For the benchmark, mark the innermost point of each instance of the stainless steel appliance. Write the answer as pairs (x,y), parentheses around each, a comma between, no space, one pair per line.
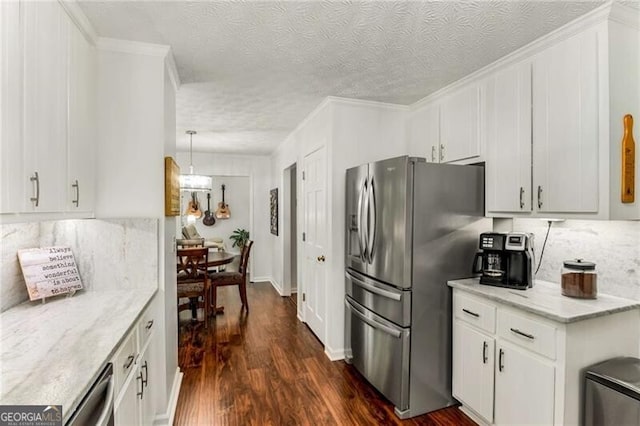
(411,226)
(96,408)
(506,260)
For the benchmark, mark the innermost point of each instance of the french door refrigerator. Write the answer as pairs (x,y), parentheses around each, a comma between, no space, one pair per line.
(411,226)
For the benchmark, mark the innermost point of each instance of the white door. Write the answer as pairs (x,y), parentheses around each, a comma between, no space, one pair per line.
(473,354)
(524,387)
(508,136)
(315,238)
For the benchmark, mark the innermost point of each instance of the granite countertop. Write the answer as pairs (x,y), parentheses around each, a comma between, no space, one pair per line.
(545,299)
(53,352)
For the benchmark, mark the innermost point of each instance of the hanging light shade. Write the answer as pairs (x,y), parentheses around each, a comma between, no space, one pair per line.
(193,182)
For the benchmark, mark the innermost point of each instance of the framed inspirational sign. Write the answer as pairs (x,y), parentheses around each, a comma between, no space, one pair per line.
(49,271)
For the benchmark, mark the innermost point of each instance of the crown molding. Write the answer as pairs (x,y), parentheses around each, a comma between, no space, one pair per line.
(134,47)
(367,103)
(625,15)
(595,17)
(172,70)
(80,20)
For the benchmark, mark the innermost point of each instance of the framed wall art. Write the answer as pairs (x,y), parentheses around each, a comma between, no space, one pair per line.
(274,211)
(171,187)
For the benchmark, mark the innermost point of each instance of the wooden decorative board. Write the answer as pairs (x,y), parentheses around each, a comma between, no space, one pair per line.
(49,271)
(171,187)
(628,161)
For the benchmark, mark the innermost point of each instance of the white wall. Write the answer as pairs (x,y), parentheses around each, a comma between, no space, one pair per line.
(237,197)
(258,169)
(353,132)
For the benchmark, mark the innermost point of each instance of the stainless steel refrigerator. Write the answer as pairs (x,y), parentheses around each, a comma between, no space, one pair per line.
(411,226)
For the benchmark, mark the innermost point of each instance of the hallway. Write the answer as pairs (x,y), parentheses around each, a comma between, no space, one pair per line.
(268,368)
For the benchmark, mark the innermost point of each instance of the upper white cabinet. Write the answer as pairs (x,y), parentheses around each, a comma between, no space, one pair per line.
(48,111)
(460,125)
(82,124)
(46,50)
(12,185)
(508,135)
(565,126)
(447,129)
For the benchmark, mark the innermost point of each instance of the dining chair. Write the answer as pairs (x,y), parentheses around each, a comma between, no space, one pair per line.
(239,278)
(192,281)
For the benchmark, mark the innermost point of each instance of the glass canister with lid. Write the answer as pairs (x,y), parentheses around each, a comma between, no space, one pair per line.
(579,279)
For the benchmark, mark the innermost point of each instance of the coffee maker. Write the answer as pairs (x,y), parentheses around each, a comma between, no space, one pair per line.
(506,260)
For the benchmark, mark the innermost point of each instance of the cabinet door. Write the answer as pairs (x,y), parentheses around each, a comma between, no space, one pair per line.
(524,387)
(46,42)
(473,354)
(82,123)
(424,133)
(12,187)
(149,370)
(565,126)
(508,136)
(460,125)
(127,412)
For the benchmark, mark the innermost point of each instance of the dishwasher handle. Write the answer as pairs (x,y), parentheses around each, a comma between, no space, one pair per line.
(98,404)
(107,412)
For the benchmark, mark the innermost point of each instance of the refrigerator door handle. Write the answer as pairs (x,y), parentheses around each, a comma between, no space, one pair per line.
(373,289)
(374,324)
(361,238)
(371,232)
(365,228)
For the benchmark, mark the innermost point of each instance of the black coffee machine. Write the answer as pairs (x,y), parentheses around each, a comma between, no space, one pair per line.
(506,260)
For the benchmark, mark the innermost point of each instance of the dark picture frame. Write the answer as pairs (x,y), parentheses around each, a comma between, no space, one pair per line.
(274,210)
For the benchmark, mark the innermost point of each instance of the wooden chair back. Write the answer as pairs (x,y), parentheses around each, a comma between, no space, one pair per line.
(192,263)
(244,258)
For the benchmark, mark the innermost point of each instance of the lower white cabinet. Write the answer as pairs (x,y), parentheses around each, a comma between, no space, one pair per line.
(512,367)
(136,378)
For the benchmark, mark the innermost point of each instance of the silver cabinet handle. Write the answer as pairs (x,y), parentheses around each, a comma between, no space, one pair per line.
(441,152)
(141,393)
(149,325)
(539,196)
(130,359)
(373,289)
(372,323)
(473,314)
(484,352)
(36,179)
(145,380)
(76,186)
(521,197)
(433,153)
(500,364)
(522,333)
(372,215)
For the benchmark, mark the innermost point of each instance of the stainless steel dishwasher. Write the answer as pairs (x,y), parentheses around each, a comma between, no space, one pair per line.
(96,408)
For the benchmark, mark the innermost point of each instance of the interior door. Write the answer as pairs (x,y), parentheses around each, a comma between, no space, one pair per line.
(356,181)
(314,244)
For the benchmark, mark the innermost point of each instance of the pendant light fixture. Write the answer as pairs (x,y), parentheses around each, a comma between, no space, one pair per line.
(193,182)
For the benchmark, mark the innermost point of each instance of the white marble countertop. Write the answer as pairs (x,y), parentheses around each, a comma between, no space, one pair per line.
(52,353)
(546,299)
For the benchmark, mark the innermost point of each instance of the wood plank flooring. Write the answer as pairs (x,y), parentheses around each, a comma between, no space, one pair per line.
(267,368)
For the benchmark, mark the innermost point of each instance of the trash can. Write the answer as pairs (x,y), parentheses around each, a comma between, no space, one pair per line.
(612,393)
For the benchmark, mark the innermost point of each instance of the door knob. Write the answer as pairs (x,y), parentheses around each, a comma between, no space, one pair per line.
(321,258)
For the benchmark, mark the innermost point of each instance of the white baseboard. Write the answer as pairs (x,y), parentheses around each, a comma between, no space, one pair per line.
(260,279)
(167,418)
(334,354)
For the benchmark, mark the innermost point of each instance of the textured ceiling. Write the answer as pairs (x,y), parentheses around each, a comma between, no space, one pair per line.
(251,71)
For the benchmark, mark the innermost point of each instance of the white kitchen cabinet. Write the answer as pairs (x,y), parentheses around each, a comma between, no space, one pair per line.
(508,136)
(565,126)
(11,168)
(534,366)
(423,131)
(82,124)
(473,360)
(524,387)
(46,30)
(127,412)
(460,124)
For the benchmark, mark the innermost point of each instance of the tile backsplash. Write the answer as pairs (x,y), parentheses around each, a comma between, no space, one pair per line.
(614,246)
(110,254)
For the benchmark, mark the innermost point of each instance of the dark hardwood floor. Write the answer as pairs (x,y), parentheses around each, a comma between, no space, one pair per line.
(267,368)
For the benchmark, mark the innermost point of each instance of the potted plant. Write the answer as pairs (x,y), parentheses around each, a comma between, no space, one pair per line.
(239,237)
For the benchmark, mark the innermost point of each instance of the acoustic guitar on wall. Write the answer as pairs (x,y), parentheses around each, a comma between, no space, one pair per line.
(193,209)
(223,208)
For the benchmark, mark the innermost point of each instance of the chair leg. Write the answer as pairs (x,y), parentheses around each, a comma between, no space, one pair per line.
(214,299)
(243,295)
(205,306)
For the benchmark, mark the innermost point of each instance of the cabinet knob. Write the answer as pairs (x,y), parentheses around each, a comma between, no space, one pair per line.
(321,258)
